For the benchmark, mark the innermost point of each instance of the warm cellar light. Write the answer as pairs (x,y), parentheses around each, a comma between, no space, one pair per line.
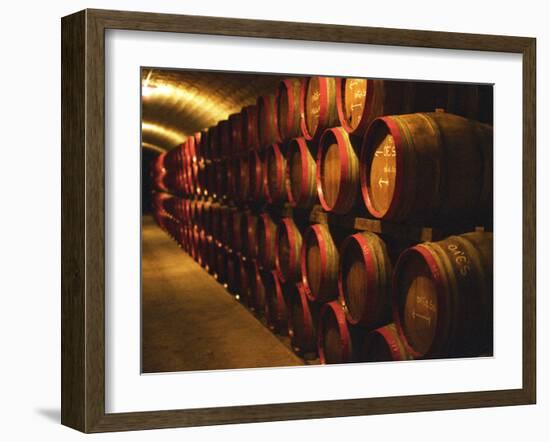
(145,88)
(168,136)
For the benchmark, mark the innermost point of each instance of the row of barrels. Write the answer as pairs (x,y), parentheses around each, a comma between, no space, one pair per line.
(420,168)
(409,301)
(307,106)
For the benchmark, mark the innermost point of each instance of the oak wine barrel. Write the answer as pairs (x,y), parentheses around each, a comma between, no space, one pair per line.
(213,146)
(257,288)
(301,182)
(250,233)
(384,344)
(243,274)
(318,106)
(227,225)
(211,255)
(443,296)
(203,248)
(221,264)
(428,167)
(276,311)
(221,179)
(224,139)
(202,184)
(211,178)
(250,136)
(302,321)
(236,127)
(191,144)
(268,131)
(288,108)
(233,177)
(215,223)
(201,139)
(364,280)
(275,175)
(266,231)
(319,262)
(337,171)
(243,187)
(256,175)
(361,100)
(334,341)
(289,248)
(206,217)
(237,239)
(232,273)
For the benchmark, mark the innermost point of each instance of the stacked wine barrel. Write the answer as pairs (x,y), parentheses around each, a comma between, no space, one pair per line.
(239,197)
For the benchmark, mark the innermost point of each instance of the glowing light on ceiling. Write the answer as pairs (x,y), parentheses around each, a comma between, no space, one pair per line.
(171,137)
(182,96)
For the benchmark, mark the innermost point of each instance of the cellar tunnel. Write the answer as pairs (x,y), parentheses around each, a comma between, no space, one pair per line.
(305,220)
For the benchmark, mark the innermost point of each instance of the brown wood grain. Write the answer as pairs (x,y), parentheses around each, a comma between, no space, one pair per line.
(83,218)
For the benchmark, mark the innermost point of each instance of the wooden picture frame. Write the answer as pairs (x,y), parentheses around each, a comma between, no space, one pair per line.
(83,220)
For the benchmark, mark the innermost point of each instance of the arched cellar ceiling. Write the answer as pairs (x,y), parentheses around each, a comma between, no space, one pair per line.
(178,103)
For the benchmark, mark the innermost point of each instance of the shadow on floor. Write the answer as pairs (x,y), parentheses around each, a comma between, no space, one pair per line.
(52,414)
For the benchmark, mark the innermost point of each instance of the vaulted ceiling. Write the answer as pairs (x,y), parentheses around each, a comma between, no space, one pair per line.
(178,103)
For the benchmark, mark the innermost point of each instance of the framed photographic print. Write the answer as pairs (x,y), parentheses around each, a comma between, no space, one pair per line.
(267,220)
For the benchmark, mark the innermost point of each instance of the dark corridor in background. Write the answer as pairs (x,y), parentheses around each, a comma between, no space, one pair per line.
(353,224)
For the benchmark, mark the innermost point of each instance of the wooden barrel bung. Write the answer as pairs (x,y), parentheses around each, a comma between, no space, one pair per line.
(250,134)
(301,182)
(337,171)
(256,175)
(268,131)
(289,248)
(333,335)
(266,231)
(384,344)
(427,167)
(364,280)
(319,262)
(443,297)
(276,310)
(318,106)
(288,108)
(302,321)
(275,175)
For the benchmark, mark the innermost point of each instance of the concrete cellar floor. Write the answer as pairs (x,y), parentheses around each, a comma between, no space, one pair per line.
(190,322)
